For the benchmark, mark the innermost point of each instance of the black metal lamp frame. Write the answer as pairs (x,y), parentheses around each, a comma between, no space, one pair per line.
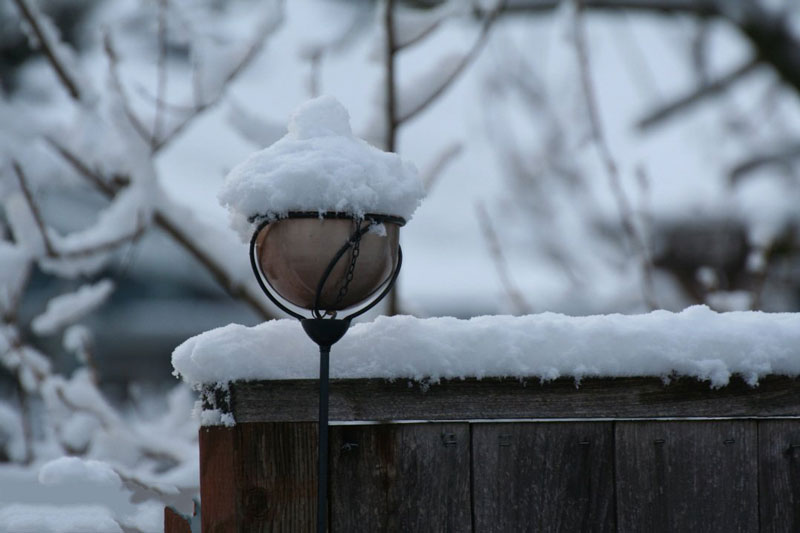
(325,332)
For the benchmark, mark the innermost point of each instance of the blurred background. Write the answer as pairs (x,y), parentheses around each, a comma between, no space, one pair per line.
(598,156)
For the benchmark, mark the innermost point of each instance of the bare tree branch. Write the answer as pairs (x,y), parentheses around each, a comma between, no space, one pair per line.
(695,7)
(480,41)
(610,164)
(769,32)
(116,82)
(29,13)
(783,155)
(82,168)
(161,82)
(247,58)
(37,215)
(391,90)
(419,37)
(498,258)
(440,162)
(698,95)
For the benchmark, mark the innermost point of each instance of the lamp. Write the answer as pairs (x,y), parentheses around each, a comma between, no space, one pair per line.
(326,263)
(323,210)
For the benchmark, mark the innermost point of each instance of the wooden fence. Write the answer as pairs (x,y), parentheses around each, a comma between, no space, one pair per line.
(502,455)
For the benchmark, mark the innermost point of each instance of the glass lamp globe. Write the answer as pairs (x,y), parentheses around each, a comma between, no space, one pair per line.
(295,253)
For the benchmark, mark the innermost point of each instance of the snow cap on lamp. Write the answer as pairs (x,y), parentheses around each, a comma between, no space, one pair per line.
(319,166)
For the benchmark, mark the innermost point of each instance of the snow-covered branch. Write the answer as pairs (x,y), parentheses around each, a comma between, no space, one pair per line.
(47,38)
(68,308)
(33,209)
(179,224)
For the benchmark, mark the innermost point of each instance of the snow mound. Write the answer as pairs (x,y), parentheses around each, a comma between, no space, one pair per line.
(319,166)
(696,342)
(22,518)
(66,470)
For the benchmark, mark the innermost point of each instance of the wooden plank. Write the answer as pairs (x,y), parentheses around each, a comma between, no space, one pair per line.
(258,477)
(401,477)
(687,476)
(175,522)
(376,399)
(543,477)
(276,474)
(779,475)
(218,456)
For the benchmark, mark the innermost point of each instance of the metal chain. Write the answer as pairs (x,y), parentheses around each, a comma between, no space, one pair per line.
(356,242)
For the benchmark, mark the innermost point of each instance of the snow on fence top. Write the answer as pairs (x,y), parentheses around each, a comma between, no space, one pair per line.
(696,342)
(319,165)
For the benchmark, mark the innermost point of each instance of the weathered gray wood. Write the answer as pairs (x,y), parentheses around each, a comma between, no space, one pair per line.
(400,477)
(687,476)
(779,475)
(375,399)
(543,477)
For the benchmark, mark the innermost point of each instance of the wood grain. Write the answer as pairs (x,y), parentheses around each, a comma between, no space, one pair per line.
(258,477)
(779,475)
(687,476)
(612,398)
(543,477)
(407,477)
(276,477)
(175,522)
(218,455)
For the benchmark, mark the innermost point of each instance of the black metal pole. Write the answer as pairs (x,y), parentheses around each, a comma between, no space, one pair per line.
(322,450)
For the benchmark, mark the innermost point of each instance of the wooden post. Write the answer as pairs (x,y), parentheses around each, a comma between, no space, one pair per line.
(175,522)
(258,477)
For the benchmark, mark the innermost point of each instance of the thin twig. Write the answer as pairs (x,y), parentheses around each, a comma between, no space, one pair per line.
(82,168)
(443,158)
(784,155)
(61,71)
(480,41)
(703,8)
(15,344)
(26,417)
(419,37)
(612,170)
(698,95)
(501,266)
(37,215)
(116,83)
(144,93)
(251,53)
(314,67)
(161,83)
